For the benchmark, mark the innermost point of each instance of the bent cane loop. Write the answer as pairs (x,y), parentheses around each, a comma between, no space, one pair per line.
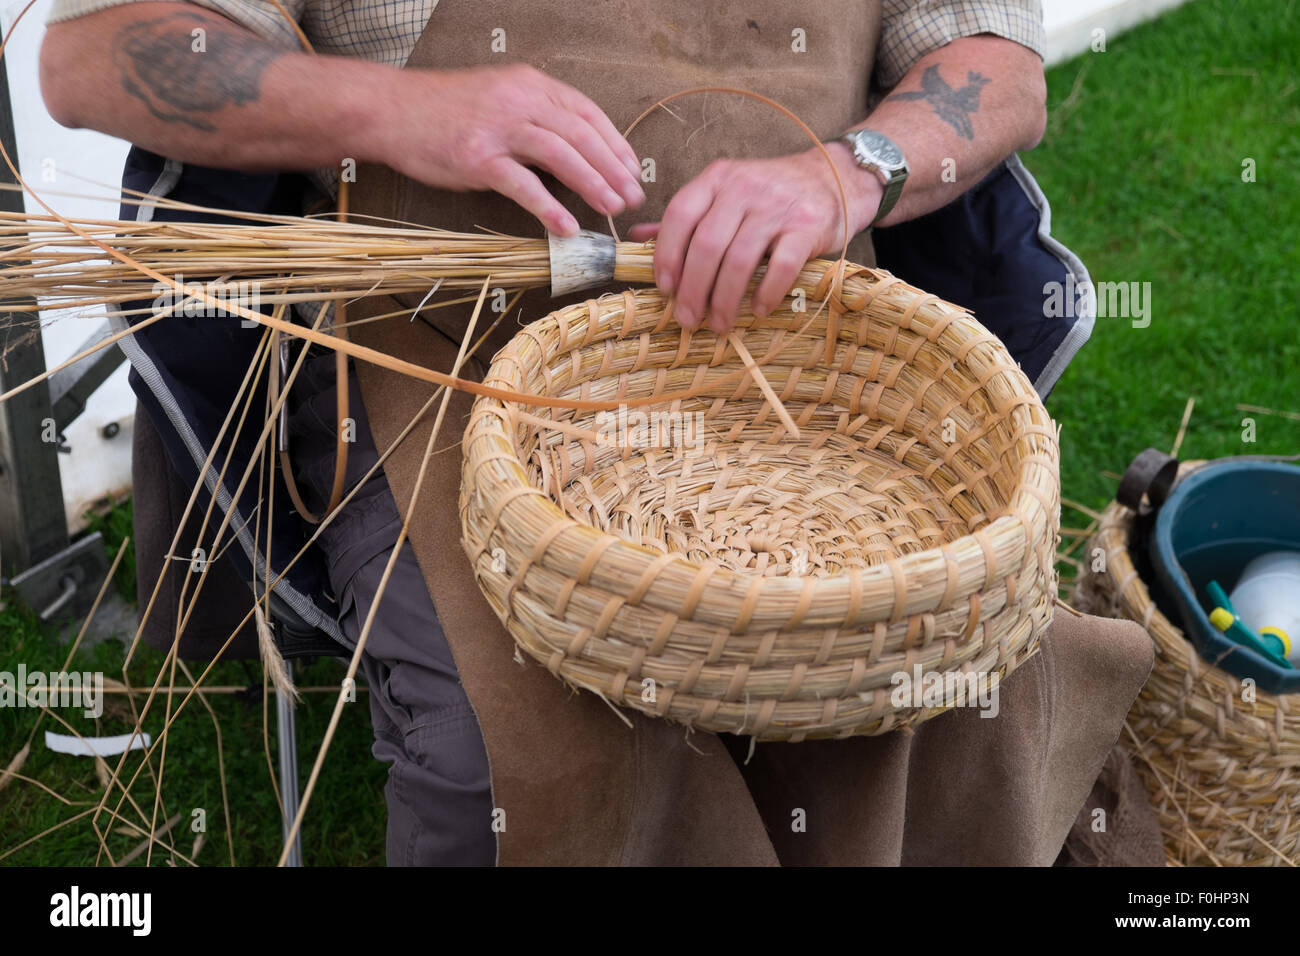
(837,270)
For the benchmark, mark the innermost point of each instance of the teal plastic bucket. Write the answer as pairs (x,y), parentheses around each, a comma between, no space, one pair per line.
(1214,522)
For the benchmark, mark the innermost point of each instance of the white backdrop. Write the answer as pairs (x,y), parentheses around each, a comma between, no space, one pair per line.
(98,466)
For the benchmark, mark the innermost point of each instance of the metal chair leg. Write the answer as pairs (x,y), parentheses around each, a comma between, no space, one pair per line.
(288,749)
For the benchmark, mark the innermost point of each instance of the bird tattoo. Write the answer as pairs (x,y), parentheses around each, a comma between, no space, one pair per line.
(954,107)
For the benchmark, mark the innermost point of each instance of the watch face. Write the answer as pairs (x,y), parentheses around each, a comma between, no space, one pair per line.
(880,149)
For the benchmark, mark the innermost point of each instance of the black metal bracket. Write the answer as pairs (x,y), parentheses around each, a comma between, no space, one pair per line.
(65,584)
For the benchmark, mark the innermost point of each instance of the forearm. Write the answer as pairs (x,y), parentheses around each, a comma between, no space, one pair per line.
(229,99)
(956,114)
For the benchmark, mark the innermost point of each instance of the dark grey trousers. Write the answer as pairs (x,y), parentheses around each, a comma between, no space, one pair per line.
(438,792)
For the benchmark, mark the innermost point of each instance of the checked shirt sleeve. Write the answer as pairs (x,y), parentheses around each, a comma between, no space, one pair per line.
(911,29)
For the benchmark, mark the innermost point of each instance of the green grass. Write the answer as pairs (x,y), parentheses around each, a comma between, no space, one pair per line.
(1142,163)
(344,825)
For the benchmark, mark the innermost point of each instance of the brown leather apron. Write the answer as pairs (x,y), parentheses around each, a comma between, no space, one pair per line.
(576,784)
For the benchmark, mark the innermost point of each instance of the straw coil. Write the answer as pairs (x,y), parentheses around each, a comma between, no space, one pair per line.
(695,561)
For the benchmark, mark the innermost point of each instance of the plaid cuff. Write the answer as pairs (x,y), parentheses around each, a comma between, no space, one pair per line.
(910,29)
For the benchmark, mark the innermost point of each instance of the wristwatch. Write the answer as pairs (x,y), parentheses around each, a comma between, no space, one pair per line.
(880,154)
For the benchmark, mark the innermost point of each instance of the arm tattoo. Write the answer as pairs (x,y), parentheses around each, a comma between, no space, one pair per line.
(954,107)
(179,78)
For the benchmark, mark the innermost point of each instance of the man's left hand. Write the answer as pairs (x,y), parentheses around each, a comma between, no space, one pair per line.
(717,229)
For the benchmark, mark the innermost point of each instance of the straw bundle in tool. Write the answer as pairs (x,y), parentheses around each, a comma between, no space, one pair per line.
(1223,773)
(734,578)
(284,258)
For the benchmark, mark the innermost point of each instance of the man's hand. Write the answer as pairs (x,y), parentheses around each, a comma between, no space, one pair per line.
(492,123)
(717,229)
(957,113)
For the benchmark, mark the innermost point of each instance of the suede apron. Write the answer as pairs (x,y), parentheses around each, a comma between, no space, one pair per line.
(571,781)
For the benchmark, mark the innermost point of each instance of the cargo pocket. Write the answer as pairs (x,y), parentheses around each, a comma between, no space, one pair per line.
(391,718)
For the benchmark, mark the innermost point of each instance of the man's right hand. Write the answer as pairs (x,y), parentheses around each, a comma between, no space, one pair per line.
(239,102)
(482,128)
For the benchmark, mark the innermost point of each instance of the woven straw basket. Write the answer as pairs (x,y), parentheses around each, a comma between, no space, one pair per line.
(743,580)
(1223,774)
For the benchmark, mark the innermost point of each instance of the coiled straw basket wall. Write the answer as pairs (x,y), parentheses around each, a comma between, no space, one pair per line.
(735,578)
(1222,772)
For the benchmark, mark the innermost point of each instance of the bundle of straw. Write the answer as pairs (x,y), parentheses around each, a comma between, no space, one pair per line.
(289,259)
